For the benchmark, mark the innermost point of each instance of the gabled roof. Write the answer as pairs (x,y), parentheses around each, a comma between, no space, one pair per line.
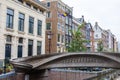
(81,20)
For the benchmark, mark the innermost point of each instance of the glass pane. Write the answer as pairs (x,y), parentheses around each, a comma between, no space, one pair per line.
(11,22)
(9,38)
(39,44)
(21,15)
(10,11)
(7,22)
(30,42)
(48,26)
(20,40)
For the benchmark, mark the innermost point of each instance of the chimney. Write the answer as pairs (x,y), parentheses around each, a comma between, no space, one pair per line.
(82,16)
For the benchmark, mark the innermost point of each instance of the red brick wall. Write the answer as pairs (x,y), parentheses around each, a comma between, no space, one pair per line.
(54,75)
(68,75)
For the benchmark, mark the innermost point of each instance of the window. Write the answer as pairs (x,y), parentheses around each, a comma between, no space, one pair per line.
(39,45)
(10,16)
(63,29)
(63,18)
(66,19)
(58,37)
(96,35)
(48,26)
(66,39)
(66,30)
(63,8)
(20,50)
(59,5)
(48,14)
(21,22)
(48,4)
(20,40)
(30,47)
(8,51)
(31,24)
(70,21)
(59,26)
(9,38)
(62,39)
(69,32)
(39,30)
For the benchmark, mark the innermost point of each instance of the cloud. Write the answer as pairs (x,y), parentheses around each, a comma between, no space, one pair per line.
(106,12)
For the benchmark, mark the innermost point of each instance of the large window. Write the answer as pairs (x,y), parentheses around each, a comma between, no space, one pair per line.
(39,30)
(30,47)
(21,22)
(31,24)
(48,26)
(10,17)
(39,45)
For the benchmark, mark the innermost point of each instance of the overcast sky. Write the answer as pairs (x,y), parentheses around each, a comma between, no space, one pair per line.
(105,12)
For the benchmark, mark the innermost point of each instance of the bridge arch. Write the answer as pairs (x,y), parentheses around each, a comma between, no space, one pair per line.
(65,60)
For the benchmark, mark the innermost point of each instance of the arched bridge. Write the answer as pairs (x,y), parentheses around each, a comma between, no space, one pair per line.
(68,60)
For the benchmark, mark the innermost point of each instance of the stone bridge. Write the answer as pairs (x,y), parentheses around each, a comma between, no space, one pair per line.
(66,60)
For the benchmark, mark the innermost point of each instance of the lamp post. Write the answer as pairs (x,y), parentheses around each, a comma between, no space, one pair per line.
(49,34)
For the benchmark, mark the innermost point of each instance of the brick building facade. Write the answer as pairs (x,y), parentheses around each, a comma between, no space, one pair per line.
(58,22)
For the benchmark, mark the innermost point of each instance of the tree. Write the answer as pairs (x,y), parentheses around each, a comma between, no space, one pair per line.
(100,46)
(77,43)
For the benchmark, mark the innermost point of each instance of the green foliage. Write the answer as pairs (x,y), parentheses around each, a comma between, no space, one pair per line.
(100,46)
(9,67)
(78,42)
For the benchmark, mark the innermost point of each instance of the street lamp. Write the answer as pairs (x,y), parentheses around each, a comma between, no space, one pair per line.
(49,34)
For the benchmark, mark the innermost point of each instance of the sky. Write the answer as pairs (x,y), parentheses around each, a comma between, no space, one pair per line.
(105,12)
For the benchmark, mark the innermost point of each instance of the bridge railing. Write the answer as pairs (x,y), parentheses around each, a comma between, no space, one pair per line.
(8,76)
